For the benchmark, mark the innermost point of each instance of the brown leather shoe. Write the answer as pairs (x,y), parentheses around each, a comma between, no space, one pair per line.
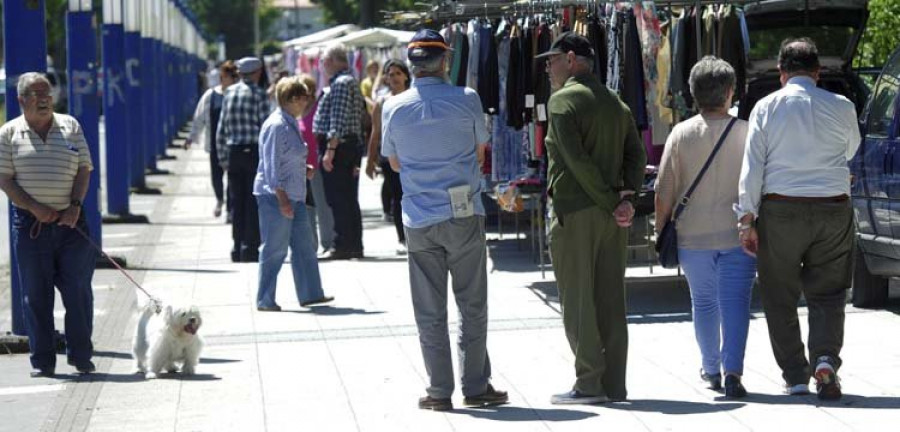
(490,397)
(430,403)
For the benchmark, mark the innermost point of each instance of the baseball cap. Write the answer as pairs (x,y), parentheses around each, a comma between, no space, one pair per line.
(426,44)
(570,41)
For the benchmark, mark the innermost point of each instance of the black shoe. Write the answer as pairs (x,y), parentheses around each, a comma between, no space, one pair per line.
(430,403)
(576,397)
(733,387)
(235,257)
(250,258)
(273,308)
(84,367)
(47,372)
(326,299)
(714,381)
(490,397)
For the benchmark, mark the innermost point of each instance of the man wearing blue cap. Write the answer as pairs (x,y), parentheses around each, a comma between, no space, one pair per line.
(444,219)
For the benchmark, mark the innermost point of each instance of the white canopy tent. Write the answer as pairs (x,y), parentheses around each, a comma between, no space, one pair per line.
(371,38)
(322,36)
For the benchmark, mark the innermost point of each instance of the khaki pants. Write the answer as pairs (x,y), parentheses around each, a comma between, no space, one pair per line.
(805,248)
(589,252)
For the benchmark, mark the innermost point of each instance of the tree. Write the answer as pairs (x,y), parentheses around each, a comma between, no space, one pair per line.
(234,20)
(348,11)
(880,38)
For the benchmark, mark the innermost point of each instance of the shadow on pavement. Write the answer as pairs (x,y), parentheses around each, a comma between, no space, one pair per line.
(127,356)
(334,311)
(673,407)
(132,377)
(181,270)
(516,414)
(848,401)
(649,301)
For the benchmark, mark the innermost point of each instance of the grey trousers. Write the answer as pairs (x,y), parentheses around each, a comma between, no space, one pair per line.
(455,247)
(805,248)
(323,213)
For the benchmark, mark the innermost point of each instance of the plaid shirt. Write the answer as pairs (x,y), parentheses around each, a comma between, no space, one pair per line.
(341,109)
(244,110)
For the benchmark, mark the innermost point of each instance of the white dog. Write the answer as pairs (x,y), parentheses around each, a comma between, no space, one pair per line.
(175,341)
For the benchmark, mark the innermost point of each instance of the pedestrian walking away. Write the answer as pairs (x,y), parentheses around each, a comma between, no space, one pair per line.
(244,110)
(707,150)
(795,214)
(204,128)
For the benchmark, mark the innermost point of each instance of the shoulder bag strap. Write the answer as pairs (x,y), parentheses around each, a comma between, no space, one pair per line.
(687,196)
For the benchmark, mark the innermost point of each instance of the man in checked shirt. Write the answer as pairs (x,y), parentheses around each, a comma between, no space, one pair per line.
(244,110)
(338,128)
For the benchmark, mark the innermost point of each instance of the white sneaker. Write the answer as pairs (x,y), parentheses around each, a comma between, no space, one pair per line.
(401,250)
(797,390)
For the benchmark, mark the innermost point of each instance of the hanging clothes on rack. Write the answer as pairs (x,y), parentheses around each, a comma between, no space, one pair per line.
(633,89)
(488,72)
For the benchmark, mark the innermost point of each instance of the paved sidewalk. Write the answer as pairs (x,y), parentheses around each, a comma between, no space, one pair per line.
(356,365)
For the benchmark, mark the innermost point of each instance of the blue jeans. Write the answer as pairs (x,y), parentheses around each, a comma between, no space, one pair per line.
(58,256)
(277,233)
(721,284)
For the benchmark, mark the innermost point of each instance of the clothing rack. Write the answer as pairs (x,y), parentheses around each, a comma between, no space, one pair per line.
(458,10)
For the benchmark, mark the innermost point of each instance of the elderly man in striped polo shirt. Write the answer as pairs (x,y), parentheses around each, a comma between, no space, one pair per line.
(45,169)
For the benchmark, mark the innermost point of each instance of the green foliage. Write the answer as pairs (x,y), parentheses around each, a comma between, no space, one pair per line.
(880,38)
(270,47)
(234,20)
(347,11)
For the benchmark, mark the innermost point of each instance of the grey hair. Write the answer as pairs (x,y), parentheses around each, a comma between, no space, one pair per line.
(337,53)
(710,80)
(431,66)
(28,79)
(587,62)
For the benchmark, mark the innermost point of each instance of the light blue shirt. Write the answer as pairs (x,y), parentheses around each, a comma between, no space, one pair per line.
(433,130)
(798,144)
(282,158)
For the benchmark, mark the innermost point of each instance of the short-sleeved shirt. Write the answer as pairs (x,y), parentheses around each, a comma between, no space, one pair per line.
(433,130)
(45,170)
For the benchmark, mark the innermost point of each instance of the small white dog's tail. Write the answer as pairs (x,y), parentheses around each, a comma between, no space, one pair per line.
(141,345)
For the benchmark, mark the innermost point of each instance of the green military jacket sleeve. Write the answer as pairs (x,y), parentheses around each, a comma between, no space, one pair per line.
(593,146)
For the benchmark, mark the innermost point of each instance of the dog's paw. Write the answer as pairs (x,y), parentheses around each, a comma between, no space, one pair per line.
(150,375)
(188,370)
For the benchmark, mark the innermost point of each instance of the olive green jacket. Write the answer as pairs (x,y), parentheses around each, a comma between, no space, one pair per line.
(594,148)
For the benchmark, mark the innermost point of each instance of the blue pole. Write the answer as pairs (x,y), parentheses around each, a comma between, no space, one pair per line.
(136,129)
(25,46)
(162,111)
(149,92)
(115,109)
(81,46)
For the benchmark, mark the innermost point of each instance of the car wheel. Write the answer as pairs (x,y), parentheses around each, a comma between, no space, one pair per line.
(869,291)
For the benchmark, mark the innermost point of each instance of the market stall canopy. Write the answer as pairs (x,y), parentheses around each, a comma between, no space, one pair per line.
(374,37)
(322,36)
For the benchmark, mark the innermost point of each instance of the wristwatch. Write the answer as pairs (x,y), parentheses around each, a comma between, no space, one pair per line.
(630,198)
(744,227)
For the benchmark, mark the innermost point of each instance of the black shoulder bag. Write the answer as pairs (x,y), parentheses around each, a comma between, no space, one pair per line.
(667,242)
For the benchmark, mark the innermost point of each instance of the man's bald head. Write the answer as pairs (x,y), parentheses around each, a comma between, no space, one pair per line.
(798,57)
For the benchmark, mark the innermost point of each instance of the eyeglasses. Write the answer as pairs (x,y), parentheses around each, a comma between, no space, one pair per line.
(553,59)
(38,95)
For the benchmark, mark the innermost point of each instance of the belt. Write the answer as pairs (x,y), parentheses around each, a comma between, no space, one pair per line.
(814,200)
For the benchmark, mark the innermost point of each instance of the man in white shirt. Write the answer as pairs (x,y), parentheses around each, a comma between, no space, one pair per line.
(795,212)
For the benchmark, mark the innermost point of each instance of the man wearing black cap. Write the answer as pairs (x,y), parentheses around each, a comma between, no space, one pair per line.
(444,218)
(244,110)
(596,166)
